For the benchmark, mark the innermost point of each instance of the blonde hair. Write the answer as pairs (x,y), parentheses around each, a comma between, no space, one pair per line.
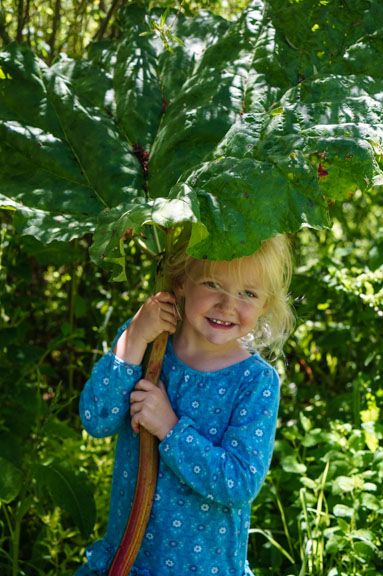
(273,264)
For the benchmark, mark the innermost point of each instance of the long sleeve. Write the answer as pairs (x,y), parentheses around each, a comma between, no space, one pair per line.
(104,402)
(233,472)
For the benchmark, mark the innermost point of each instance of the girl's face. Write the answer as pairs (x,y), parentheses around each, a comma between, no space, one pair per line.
(220,305)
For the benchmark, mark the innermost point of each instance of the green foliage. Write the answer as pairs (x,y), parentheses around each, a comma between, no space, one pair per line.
(10,481)
(71,492)
(320,510)
(326,507)
(244,132)
(57,315)
(51,27)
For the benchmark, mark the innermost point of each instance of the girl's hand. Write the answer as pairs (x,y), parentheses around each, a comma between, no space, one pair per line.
(157,315)
(150,408)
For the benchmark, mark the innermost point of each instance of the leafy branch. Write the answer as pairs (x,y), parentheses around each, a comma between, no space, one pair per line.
(164,30)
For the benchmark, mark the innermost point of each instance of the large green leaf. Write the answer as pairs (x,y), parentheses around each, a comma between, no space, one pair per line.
(10,481)
(197,34)
(62,159)
(251,128)
(72,492)
(137,91)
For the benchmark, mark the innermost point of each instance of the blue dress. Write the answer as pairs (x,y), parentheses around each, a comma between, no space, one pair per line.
(212,463)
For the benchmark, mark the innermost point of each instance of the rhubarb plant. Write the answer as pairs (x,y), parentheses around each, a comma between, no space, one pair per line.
(246,129)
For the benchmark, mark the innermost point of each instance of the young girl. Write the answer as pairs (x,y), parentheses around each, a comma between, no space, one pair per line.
(214,412)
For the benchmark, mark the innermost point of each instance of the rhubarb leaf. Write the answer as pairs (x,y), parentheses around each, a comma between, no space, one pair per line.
(249,129)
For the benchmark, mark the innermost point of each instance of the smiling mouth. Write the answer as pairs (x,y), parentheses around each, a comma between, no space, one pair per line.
(220,322)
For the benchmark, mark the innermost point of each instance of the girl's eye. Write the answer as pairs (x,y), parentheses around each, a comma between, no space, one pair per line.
(211,284)
(248,294)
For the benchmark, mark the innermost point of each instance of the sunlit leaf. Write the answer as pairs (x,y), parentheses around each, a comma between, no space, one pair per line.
(291,464)
(343,511)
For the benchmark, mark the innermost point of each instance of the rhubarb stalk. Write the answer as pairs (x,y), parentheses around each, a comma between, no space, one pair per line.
(148,459)
(146,478)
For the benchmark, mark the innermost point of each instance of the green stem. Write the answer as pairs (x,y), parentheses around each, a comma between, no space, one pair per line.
(273,542)
(3,29)
(356,402)
(321,500)
(285,527)
(302,571)
(157,240)
(8,520)
(20,21)
(17,533)
(104,24)
(99,346)
(16,547)
(2,240)
(308,552)
(55,29)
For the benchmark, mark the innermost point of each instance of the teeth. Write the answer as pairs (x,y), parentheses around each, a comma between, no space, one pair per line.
(220,322)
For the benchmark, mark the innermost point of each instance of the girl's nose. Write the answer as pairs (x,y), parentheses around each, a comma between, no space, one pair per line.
(226,302)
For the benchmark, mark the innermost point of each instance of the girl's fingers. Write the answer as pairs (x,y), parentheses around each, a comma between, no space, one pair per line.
(165,297)
(165,314)
(168,327)
(168,320)
(167,308)
(145,392)
(135,425)
(168,314)
(137,396)
(144,385)
(135,408)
